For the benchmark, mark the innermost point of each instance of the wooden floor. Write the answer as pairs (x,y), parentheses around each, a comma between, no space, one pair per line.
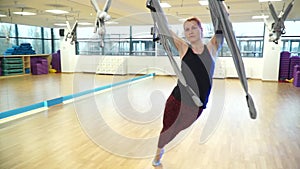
(118,129)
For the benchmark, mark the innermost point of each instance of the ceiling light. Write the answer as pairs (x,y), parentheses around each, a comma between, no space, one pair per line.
(203,2)
(84,23)
(111,22)
(165,5)
(60,24)
(260,17)
(182,19)
(57,11)
(2,15)
(267,0)
(24,13)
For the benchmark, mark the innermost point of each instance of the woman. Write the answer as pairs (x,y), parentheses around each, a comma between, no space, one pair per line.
(197,66)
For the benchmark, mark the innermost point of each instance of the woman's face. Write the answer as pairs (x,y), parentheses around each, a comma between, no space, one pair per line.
(192,31)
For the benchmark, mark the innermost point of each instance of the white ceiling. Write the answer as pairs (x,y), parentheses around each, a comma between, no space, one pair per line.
(131,12)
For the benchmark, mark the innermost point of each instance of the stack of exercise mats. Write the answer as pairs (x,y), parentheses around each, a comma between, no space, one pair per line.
(39,65)
(0,68)
(55,62)
(11,51)
(12,66)
(294,60)
(296,75)
(284,65)
(287,64)
(23,49)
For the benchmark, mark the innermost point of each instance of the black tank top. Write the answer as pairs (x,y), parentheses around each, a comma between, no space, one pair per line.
(198,71)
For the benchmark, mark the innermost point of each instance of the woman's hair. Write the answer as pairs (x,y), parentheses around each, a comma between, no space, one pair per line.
(193,18)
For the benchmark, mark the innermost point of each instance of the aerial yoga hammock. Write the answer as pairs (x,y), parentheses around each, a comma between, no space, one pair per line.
(278,27)
(101,18)
(166,40)
(221,22)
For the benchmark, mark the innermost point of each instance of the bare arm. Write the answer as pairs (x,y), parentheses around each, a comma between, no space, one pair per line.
(216,42)
(180,44)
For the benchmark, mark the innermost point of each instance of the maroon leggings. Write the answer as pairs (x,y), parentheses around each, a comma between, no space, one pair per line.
(177,117)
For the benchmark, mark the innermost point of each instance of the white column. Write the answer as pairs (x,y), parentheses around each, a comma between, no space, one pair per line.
(271,58)
(67,54)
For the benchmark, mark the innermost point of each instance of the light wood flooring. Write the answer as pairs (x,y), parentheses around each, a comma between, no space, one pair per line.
(119,128)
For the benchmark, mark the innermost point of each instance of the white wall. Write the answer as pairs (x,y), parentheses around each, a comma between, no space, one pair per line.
(265,68)
(159,65)
(271,58)
(68,55)
(253,67)
(150,64)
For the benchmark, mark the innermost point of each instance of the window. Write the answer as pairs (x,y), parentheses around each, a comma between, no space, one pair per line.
(251,47)
(40,38)
(47,33)
(7,36)
(292,45)
(7,29)
(291,39)
(29,31)
(292,28)
(119,41)
(47,46)
(56,40)
(295,47)
(138,41)
(32,35)
(249,40)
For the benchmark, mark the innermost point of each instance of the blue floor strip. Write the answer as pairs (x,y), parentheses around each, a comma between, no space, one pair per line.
(54,102)
(21,110)
(59,100)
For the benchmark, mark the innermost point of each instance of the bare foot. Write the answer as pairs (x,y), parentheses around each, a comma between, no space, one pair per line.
(156,161)
(158,167)
(159,154)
